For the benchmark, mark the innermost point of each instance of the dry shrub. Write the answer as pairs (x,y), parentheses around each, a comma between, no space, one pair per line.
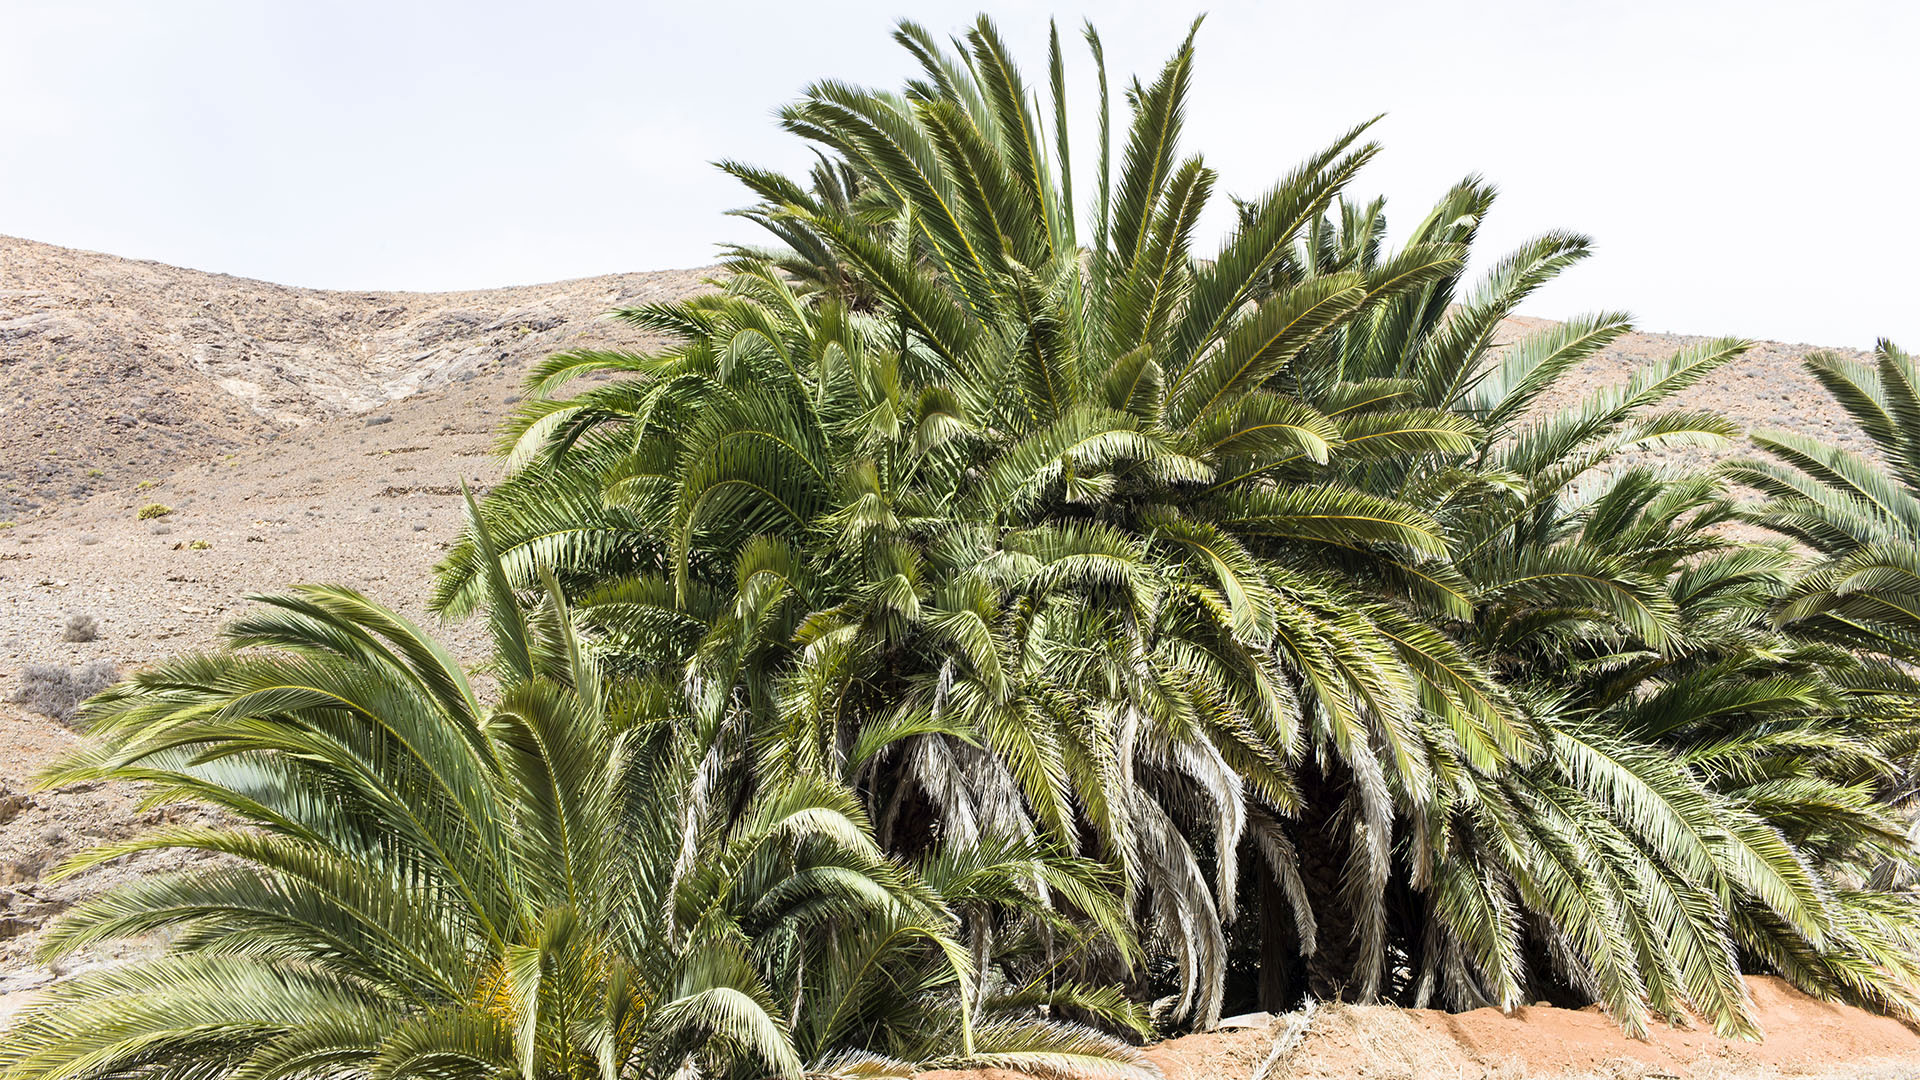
(55,691)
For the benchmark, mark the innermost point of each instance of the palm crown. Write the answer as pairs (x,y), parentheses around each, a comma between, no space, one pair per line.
(1180,560)
(1862,517)
(554,886)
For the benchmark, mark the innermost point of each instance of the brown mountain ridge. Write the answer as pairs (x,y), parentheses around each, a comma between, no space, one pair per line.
(113,368)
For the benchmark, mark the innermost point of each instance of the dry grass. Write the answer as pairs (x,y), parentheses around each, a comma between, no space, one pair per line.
(56,691)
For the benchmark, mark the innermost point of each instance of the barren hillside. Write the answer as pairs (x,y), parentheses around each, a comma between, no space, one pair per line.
(114,370)
(293,435)
(301,435)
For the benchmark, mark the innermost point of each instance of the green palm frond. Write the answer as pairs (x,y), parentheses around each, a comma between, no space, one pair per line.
(1085,562)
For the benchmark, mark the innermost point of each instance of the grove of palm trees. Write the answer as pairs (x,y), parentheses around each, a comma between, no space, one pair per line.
(999,628)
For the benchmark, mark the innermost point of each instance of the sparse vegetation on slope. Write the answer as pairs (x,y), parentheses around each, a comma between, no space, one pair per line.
(132,368)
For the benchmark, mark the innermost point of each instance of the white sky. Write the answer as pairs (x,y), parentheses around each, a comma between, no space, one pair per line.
(1747,168)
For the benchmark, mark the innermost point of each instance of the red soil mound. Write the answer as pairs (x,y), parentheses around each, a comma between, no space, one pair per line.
(1802,1035)
(1804,1038)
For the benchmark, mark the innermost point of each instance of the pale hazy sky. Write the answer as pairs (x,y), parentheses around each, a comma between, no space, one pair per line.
(1745,168)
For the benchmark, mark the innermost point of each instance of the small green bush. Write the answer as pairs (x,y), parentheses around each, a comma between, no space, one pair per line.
(154,510)
(145,485)
(199,545)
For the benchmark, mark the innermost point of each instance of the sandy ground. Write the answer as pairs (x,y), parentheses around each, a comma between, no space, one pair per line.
(1803,1037)
(290,449)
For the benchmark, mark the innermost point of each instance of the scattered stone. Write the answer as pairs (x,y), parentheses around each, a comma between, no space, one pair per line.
(12,803)
(25,868)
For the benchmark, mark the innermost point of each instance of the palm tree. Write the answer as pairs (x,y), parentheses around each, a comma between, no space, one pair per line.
(1861,516)
(803,256)
(560,885)
(1610,599)
(1177,562)
(981,535)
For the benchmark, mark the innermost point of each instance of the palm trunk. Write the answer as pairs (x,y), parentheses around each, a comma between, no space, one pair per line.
(1282,968)
(1323,858)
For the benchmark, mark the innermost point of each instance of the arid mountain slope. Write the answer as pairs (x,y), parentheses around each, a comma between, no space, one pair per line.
(114,370)
(293,435)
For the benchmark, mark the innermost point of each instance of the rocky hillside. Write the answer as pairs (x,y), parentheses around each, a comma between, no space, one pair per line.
(292,435)
(115,371)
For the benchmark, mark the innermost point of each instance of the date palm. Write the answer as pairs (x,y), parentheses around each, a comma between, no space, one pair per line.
(1861,516)
(1399,387)
(1177,561)
(560,884)
(1609,596)
(1008,507)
